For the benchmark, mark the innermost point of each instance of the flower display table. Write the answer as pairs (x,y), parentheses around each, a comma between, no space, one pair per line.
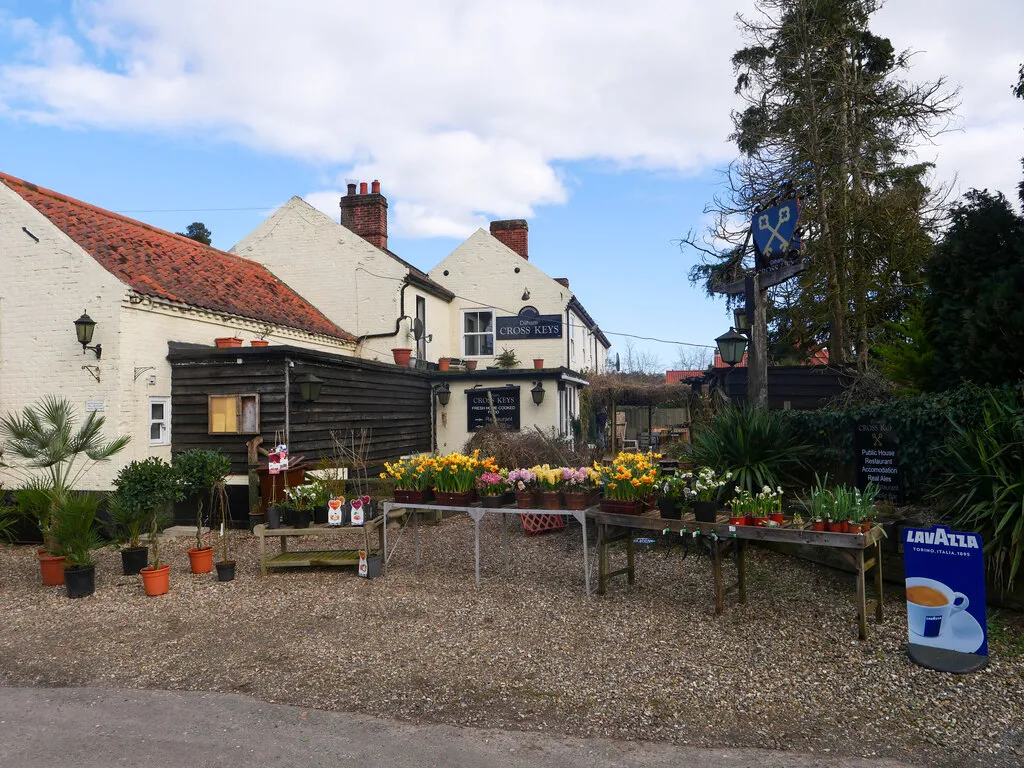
(360,535)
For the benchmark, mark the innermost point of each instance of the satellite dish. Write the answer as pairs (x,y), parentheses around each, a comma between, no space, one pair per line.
(617,368)
(417,329)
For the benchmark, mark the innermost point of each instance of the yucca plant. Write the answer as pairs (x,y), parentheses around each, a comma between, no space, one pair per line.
(983,487)
(757,446)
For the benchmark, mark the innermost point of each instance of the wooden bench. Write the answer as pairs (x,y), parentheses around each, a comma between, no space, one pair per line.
(311,557)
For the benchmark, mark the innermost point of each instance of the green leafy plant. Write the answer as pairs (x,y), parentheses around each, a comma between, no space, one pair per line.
(983,487)
(507,359)
(74,527)
(35,502)
(143,487)
(202,472)
(757,446)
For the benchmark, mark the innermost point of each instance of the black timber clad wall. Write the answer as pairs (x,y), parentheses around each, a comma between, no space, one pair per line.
(392,404)
(805,387)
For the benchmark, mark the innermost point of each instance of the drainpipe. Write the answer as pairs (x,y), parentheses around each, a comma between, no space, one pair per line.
(398,323)
(287,404)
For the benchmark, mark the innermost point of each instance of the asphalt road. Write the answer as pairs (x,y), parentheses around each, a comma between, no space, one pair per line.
(99,728)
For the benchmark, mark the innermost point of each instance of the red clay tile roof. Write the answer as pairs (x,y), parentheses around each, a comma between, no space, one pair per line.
(673,377)
(158,263)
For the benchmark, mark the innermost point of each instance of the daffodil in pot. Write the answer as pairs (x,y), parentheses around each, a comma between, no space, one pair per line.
(549,480)
(455,478)
(629,483)
(413,478)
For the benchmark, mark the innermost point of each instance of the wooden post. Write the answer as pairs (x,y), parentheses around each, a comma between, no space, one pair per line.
(252,448)
(615,429)
(757,359)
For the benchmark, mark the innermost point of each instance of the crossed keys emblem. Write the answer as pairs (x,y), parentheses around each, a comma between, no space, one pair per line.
(764,223)
(878,439)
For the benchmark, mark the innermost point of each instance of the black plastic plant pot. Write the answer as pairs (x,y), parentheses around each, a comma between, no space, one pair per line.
(705,511)
(373,566)
(226,570)
(320,514)
(257,519)
(80,580)
(669,509)
(134,559)
(273,518)
(301,518)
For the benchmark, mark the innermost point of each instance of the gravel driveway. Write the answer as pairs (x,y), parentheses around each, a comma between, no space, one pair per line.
(527,650)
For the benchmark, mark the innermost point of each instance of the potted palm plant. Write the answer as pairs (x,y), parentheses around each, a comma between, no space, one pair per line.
(51,452)
(142,486)
(74,531)
(35,502)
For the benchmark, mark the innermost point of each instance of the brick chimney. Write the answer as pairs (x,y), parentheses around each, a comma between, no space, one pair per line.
(562,281)
(366,213)
(515,234)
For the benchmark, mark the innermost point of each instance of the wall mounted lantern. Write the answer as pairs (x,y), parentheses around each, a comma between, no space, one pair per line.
(731,346)
(309,387)
(526,294)
(538,393)
(740,320)
(444,393)
(84,327)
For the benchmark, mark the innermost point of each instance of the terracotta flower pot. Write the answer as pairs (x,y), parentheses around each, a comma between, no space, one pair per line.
(471,365)
(51,568)
(402,356)
(444,364)
(259,343)
(740,520)
(777,517)
(454,498)
(761,522)
(538,363)
(818,525)
(620,507)
(156,581)
(201,559)
(228,341)
(832,527)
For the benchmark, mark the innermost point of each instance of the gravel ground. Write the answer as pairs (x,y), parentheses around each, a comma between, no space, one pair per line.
(527,650)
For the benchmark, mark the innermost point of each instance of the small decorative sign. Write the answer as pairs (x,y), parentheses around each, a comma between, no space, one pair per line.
(357,511)
(278,459)
(945,582)
(364,570)
(334,511)
(506,407)
(528,324)
(94,405)
(877,449)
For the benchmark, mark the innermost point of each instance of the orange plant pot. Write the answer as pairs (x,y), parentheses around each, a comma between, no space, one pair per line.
(443,364)
(52,568)
(471,365)
(259,343)
(538,363)
(201,559)
(402,356)
(156,581)
(228,341)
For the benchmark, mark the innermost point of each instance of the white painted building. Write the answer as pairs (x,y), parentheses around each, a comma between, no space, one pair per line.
(143,287)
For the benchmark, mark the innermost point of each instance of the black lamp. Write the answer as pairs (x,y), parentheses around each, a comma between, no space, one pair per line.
(444,393)
(84,327)
(538,393)
(731,346)
(739,321)
(309,387)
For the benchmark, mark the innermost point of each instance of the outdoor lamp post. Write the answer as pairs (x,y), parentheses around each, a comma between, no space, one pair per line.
(84,327)
(538,393)
(739,321)
(309,387)
(444,394)
(731,346)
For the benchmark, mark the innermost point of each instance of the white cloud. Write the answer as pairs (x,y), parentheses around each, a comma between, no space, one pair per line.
(464,110)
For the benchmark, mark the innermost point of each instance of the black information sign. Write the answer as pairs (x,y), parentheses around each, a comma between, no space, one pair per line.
(529,324)
(506,407)
(878,460)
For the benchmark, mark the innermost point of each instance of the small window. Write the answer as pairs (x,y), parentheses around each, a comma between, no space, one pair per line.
(159,421)
(234,414)
(478,333)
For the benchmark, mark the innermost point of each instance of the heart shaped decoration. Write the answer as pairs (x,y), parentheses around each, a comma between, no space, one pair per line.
(366,501)
(357,504)
(335,504)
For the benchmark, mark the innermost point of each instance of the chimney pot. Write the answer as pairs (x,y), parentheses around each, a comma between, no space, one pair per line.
(562,281)
(352,188)
(366,215)
(514,233)
(362,188)
(375,187)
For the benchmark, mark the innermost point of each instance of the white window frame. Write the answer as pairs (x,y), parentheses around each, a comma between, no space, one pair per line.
(463,333)
(165,422)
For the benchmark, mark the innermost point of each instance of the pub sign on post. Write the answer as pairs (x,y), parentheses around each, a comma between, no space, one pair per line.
(506,407)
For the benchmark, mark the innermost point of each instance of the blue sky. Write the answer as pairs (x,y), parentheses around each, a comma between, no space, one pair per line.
(604,126)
